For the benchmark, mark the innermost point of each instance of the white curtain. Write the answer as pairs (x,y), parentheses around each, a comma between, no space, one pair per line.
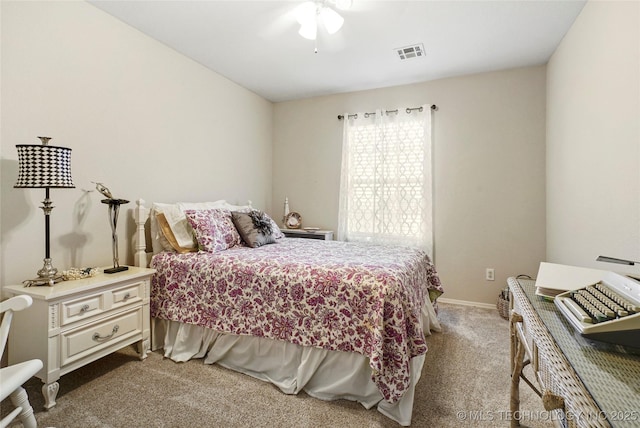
(385,187)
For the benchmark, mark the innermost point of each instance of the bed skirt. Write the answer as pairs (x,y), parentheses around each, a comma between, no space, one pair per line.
(323,374)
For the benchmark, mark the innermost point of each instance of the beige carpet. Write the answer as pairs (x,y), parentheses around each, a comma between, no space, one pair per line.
(465,382)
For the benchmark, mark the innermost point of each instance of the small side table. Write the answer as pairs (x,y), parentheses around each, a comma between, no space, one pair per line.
(324,235)
(76,322)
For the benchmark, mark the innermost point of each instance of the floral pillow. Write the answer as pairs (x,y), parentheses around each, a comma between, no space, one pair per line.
(214,229)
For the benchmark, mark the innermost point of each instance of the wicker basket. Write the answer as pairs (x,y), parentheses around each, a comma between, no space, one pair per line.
(503,307)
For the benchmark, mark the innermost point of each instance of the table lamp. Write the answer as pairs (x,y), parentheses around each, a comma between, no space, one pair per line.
(44,166)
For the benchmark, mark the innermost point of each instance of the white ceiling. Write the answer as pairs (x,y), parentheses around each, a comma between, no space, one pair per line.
(256,43)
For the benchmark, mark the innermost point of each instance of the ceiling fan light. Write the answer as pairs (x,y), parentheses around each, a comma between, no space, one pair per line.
(306,12)
(309,30)
(331,19)
(343,4)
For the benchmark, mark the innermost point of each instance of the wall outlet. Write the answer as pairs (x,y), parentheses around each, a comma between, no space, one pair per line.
(490,274)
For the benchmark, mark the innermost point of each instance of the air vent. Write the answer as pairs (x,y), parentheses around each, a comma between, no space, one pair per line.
(413,51)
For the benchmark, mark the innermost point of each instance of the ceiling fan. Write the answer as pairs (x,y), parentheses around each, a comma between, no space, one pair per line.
(311,14)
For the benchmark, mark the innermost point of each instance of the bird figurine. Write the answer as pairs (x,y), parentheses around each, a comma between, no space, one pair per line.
(103,189)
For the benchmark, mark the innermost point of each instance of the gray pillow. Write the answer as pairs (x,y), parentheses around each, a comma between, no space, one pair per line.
(255,228)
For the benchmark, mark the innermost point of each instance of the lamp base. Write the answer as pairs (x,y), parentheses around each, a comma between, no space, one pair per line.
(47,271)
(48,275)
(43,281)
(116,269)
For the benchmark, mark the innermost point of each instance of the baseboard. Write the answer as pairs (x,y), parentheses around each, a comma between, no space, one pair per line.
(466,303)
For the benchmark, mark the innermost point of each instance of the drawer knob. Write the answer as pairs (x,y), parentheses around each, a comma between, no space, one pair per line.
(84,308)
(96,336)
(126,296)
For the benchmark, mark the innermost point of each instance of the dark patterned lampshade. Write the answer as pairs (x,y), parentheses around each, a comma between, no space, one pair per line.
(43,166)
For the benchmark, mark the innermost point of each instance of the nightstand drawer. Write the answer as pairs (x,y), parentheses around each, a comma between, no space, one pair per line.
(127,295)
(82,308)
(80,342)
(89,306)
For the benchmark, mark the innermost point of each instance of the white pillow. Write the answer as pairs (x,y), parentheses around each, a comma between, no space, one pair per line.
(174,213)
(221,204)
(171,212)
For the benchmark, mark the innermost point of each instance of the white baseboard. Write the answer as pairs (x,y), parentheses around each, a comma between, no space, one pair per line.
(466,303)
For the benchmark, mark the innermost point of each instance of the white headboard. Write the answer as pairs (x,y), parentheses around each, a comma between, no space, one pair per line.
(140,215)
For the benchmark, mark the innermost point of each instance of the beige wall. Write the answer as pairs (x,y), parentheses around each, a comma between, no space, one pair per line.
(593,138)
(143,119)
(489,170)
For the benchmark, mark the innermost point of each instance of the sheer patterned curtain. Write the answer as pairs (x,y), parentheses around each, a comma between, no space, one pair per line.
(385,186)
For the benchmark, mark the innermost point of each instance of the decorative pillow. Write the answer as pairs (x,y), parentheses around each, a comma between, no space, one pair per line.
(214,229)
(182,231)
(277,233)
(255,228)
(168,239)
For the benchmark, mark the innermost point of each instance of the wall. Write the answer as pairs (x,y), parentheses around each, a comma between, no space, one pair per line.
(139,117)
(593,139)
(489,170)
(145,120)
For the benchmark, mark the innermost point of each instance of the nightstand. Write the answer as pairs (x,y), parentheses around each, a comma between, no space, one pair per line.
(76,322)
(325,235)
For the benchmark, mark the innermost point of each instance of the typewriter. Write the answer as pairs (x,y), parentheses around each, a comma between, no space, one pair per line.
(607,311)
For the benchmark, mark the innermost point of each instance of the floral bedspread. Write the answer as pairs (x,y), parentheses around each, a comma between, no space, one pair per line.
(327,294)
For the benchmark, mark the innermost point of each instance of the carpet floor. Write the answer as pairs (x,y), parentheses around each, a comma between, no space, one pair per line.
(465,382)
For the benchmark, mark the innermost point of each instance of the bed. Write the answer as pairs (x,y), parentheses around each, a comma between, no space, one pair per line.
(338,320)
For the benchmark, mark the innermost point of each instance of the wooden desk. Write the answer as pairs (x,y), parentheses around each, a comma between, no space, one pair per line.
(583,383)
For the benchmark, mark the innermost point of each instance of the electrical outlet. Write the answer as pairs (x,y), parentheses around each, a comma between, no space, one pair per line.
(490,274)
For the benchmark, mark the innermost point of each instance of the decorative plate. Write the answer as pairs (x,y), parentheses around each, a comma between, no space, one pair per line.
(293,220)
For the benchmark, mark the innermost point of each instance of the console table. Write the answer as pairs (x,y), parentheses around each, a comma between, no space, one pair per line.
(582,383)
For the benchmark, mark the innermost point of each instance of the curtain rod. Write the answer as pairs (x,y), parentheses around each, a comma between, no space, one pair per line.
(408,110)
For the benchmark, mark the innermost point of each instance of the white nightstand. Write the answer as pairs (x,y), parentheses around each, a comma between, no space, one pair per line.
(325,235)
(76,322)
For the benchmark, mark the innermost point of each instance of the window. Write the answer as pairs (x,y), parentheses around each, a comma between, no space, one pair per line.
(386,193)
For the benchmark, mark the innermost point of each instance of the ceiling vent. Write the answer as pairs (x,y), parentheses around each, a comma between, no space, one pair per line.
(413,51)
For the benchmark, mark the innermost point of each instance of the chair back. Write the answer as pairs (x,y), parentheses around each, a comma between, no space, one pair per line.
(7,308)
